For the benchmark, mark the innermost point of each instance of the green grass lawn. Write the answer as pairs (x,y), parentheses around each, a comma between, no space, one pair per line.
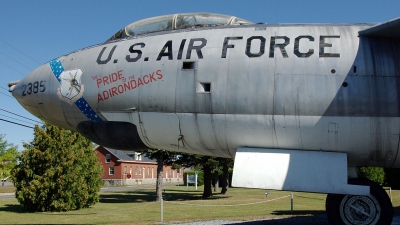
(7,189)
(180,205)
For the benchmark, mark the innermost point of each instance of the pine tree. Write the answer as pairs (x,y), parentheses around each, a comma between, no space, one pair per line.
(58,171)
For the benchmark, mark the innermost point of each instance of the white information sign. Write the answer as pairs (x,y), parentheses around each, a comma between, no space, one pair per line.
(191,179)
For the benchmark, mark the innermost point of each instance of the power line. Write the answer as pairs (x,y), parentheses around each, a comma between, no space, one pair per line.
(17,119)
(20,115)
(16,123)
(6,94)
(16,60)
(20,51)
(12,68)
(4,88)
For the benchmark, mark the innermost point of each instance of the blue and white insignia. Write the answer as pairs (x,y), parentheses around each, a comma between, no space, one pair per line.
(71,88)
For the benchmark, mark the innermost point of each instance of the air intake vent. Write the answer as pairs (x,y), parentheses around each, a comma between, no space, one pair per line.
(189,65)
(204,88)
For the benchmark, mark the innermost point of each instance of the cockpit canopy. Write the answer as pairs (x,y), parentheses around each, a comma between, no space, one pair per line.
(177,21)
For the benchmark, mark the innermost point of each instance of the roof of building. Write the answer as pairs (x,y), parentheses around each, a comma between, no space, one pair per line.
(124,156)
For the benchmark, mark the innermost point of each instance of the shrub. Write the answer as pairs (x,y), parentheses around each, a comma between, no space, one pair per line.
(58,171)
(376,174)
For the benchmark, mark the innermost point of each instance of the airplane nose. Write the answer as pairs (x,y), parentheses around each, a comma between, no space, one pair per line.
(37,93)
(11,85)
(26,92)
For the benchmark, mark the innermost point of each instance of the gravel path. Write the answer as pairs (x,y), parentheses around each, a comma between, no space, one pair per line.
(309,220)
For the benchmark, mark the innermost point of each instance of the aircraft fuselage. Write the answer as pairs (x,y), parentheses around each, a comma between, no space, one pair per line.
(213,90)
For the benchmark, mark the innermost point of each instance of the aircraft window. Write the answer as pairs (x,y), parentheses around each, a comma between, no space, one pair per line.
(159,23)
(239,21)
(201,19)
(177,21)
(118,35)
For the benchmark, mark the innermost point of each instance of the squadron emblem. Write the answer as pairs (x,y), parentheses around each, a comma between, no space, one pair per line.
(70,88)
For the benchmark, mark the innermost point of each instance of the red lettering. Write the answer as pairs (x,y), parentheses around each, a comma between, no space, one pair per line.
(106,95)
(114,91)
(139,81)
(99,98)
(120,77)
(120,89)
(159,74)
(131,83)
(98,82)
(113,77)
(152,77)
(144,80)
(105,80)
(127,86)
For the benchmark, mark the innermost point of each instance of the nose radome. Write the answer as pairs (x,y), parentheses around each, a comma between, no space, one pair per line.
(11,85)
(38,92)
(22,90)
(11,88)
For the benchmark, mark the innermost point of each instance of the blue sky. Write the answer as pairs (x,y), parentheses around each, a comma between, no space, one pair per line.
(35,32)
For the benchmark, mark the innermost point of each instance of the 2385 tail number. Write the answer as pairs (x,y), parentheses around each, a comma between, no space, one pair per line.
(35,87)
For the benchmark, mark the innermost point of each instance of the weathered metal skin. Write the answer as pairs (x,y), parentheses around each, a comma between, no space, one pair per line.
(301,87)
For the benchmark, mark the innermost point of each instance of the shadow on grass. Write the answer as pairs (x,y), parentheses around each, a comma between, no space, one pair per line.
(298,196)
(150,196)
(16,208)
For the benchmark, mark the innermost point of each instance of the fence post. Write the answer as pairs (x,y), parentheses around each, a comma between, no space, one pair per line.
(162,210)
(291,203)
(196,175)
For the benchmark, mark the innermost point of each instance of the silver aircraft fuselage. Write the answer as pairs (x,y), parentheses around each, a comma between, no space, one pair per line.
(213,90)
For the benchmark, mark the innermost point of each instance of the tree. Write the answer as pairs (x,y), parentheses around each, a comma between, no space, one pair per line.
(207,163)
(58,171)
(226,164)
(163,158)
(376,174)
(8,157)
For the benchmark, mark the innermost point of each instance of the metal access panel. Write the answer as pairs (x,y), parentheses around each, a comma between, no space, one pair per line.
(294,170)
